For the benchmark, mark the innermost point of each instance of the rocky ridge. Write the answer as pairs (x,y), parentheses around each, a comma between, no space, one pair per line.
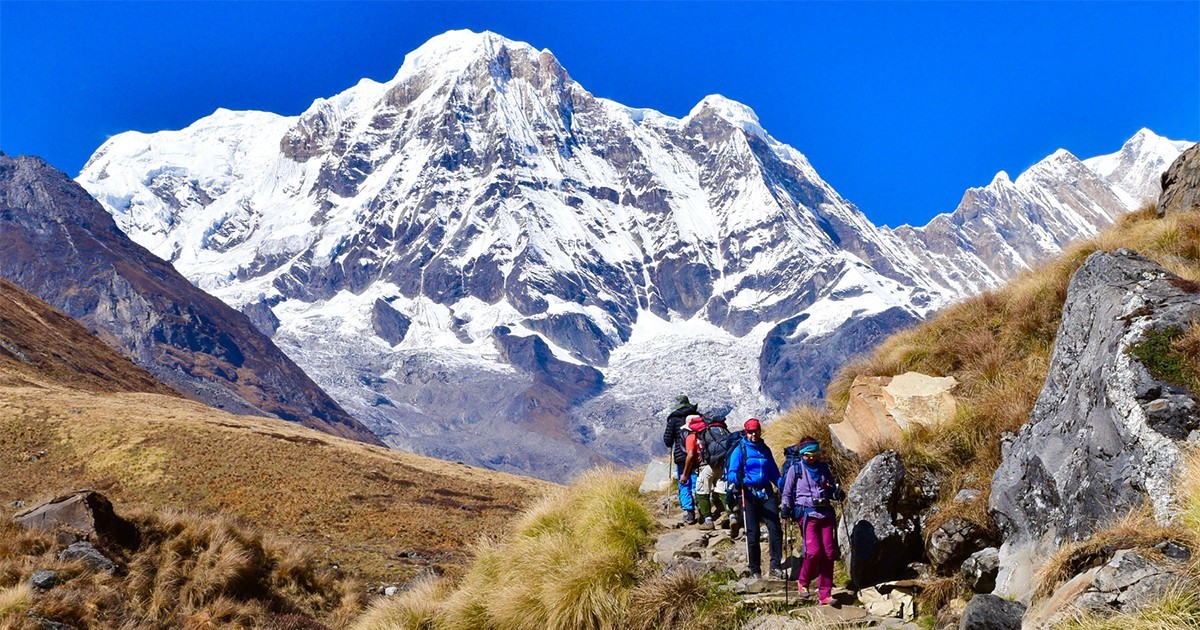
(61,246)
(392,236)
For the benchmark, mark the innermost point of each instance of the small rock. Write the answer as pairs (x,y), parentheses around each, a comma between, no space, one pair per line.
(1174,551)
(390,591)
(43,580)
(980,570)
(89,555)
(17,504)
(966,495)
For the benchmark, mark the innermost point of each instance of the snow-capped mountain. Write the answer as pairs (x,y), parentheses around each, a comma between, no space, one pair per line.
(483,261)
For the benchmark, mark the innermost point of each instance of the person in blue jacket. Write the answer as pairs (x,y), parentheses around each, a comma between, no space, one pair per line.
(753,477)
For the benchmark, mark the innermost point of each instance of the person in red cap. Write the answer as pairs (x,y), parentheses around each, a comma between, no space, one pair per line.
(753,476)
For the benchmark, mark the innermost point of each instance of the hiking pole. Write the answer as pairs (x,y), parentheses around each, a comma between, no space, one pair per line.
(787,574)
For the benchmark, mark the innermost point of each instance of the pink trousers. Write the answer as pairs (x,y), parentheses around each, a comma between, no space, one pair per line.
(820,550)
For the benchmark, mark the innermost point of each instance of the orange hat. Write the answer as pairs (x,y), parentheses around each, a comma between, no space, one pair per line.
(752,425)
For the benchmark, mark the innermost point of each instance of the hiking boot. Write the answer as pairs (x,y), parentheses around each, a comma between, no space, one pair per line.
(805,592)
(735,527)
(708,524)
(689,517)
(778,574)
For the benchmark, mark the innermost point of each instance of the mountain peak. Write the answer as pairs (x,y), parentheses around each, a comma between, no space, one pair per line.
(455,50)
(738,114)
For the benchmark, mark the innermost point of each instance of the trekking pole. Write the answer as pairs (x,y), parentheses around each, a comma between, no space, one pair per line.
(787,573)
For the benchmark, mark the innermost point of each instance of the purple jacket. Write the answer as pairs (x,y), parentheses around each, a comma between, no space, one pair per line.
(801,488)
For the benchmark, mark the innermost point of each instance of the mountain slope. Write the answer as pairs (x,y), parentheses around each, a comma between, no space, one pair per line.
(60,245)
(398,240)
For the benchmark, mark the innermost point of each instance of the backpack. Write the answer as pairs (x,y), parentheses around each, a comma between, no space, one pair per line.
(791,457)
(717,441)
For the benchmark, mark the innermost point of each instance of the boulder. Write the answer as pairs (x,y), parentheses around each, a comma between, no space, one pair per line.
(989,612)
(657,477)
(979,570)
(879,530)
(82,515)
(881,408)
(1094,443)
(953,541)
(1181,184)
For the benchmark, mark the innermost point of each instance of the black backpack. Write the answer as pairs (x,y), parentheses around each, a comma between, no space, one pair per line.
(791,457)
(717,441)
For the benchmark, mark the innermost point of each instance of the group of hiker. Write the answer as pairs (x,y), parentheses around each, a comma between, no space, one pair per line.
(720,471)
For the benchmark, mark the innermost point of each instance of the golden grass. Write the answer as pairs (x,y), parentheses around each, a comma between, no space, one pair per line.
(417,608)
(14,601)
(188,571)
(1178,609)
(570,562)
(1189,490)
(357,505)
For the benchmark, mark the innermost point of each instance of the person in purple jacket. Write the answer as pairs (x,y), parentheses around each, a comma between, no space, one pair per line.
(808,490)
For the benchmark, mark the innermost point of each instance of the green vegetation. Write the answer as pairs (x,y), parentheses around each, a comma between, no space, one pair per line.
(1170,355)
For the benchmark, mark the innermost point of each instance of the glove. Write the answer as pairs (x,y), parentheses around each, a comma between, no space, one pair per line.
(839,494)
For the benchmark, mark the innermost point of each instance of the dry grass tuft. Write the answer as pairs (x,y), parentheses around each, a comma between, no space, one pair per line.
(667,601)
(1189,490)
(417,608)
(14,601)
(935,594)
(570,562)
(190,571)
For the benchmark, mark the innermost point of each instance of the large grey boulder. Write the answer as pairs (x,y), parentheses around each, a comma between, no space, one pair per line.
(954,541)
(979,571)
(1103,434)
(1128,581)
(880,530)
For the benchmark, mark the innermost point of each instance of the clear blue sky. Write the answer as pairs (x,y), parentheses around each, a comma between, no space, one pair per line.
(900,106)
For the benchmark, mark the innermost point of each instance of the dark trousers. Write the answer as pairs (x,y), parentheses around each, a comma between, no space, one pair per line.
(762,510)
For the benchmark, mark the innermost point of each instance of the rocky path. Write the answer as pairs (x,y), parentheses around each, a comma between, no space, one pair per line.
(691,547)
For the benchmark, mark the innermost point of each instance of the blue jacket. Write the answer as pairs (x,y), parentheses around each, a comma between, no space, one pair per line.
(754,463)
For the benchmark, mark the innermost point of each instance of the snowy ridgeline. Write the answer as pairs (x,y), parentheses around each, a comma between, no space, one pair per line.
(403,241)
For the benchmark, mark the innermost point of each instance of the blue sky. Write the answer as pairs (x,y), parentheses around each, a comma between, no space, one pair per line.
(900,106)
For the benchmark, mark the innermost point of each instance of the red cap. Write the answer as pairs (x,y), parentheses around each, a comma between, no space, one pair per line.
(752,425)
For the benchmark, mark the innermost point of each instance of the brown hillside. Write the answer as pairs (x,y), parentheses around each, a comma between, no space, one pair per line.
(379,514)
(40,344)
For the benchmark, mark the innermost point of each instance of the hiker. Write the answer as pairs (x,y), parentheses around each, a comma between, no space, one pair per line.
(808,492)
(752,475)
(708,503)
(674,438)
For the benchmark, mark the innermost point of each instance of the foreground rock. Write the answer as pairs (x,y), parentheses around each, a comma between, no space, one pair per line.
(989,612)
(879,531)
(1104,433)
(82,515)
(1128,581)
(1181,184)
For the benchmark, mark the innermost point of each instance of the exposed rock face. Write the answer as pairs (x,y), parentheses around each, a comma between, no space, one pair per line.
(881,408)
(1181,184)
(41,343)
(60,245)
(879,530)
(1092,447)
